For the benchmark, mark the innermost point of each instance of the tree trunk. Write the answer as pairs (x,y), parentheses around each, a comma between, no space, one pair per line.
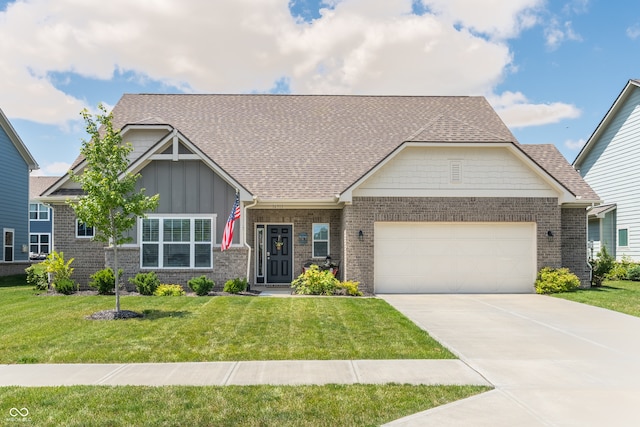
(116,271)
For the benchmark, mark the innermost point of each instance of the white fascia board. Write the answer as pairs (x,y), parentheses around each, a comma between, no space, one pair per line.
(131,127)
(613,110)
(137,165)
(64,179)
(332,203)
(564,195)
(17,142)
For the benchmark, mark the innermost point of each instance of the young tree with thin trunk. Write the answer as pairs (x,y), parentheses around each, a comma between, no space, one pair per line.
(110,203)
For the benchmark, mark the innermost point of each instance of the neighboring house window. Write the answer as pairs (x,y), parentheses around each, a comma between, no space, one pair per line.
(180,242)
(38,212)
(8,244)
(83,230)
(320,240)
(39,243)
(623,237)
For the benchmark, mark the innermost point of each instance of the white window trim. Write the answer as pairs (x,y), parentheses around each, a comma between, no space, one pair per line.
(84,237)
(313,240)
(13,243)
(39,242)
(618,236)
(191,242)
(38,212)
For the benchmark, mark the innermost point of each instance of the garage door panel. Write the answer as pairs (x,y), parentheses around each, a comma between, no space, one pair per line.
(454,257)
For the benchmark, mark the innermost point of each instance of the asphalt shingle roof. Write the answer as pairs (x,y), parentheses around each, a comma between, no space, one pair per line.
(37,185)
(315,146)
(550,159)
(310,146)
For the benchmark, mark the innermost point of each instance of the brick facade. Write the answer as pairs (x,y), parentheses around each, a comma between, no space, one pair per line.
(365,211)
(567,248)
(302,220)
(88,254)
(574,244)
(13,268)
(229,264)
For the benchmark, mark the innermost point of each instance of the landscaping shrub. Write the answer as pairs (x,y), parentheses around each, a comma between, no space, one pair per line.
(146,283)
(602,265)
(235,286)
(64,286)
(37,277)
(553,280)
(169,291)
(315,282)
(634,273)
(104,281)
(201,285)
(55,264)
(620,269)
(349,288)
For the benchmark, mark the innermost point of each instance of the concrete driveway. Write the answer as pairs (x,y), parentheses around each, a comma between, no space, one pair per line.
(553,362)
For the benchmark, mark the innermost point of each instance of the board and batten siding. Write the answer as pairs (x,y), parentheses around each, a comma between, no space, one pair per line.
(611,169)
(455,172)
(189,187)
(14,209)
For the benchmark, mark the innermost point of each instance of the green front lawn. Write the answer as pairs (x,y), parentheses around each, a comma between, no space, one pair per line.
(622,296)
(53,329)
(330,405)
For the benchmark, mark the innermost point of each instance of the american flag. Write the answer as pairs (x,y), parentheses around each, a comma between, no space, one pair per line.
(227,236)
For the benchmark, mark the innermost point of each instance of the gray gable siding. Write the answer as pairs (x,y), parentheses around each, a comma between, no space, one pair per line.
(611,169)
(14,193)
(189,187)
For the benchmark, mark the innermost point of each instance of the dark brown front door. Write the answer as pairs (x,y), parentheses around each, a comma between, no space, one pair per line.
(279,257)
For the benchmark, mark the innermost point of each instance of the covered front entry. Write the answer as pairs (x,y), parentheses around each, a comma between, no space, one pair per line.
(274,254)
(454,257)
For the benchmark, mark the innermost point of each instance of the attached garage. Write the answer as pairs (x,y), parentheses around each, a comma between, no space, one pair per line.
(454,257)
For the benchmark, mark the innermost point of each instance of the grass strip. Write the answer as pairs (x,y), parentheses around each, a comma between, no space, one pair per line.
(54,329)
(328,405)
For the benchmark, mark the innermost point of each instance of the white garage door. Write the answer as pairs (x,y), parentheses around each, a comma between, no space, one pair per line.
(461,257)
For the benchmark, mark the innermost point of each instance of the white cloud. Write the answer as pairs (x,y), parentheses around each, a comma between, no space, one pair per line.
(356,46)
(633,32)
(574,145)
(516,110)
(495,18)
(556,34)
(54,169)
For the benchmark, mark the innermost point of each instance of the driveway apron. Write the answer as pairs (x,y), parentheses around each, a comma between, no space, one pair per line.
(552,362)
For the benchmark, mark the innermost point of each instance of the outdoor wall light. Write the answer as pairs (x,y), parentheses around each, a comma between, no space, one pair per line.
(549,233)
(360,235)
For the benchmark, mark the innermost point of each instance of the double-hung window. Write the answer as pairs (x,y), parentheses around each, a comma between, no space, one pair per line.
(83,230)
(39,243)
(38,212)
(320,240)
(177,242)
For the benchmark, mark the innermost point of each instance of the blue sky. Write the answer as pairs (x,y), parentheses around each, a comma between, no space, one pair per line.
(551,69)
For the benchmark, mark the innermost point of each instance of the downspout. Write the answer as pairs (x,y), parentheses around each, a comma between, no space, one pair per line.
(244,235)
(589,259)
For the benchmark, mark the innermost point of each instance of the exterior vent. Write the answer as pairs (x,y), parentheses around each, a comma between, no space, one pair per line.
(455,169)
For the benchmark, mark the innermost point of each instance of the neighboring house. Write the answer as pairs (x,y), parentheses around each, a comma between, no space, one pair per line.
(40,218)
(407,193)
(17,163)
(609,163)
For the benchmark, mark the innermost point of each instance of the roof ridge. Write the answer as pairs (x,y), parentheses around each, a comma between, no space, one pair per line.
(469,125)
(423,128)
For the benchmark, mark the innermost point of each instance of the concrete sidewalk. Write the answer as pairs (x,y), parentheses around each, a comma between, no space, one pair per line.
(285,372)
